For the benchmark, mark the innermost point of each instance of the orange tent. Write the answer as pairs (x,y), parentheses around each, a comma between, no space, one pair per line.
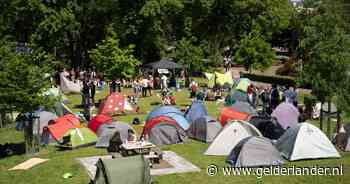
(62,125)
(228,114)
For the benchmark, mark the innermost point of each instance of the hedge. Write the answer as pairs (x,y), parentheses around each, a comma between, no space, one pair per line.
(279,80)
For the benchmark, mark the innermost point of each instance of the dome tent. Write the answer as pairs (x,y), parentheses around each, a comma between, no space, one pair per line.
(254,152)
(196,110)
(230,136)
(286,114)
(106,131)
(305,141)
(204,129)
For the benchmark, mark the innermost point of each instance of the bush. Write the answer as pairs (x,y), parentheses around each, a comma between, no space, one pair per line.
(279,80)
(288,69)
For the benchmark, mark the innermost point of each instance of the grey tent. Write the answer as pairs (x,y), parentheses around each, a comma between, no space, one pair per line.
(44,118)
(164,134)
(163,64)
(106,131)
(254,152)
(204,129)
(268,126)
(244,107)
(305,141)
(230,136)
(125,170)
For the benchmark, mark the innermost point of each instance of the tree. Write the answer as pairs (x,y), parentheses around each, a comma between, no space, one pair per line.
(114,61)
(254,53)
(23,79)
(189,55)
(324,50)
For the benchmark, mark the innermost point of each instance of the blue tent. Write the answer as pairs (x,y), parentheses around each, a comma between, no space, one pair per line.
(158,111)
(180,119)
(196,110)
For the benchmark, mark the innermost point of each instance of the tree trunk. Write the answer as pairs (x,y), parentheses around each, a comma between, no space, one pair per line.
(338,121)
(321,116)
(1,121)
(329,120)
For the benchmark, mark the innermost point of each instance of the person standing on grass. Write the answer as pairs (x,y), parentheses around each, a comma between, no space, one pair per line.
(86,100)
(118,85)
(144,83)
(92,91)
(113,86)
(150,84)
(193,87)
(274,97)
(164,82)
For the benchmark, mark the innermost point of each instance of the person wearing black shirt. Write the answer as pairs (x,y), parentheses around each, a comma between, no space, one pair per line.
(86,99)
(92,91)
(113,86)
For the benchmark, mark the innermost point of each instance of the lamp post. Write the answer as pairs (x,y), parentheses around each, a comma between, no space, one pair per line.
(32,134)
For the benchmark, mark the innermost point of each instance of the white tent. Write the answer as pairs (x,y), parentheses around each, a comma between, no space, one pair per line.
(305,141)
(230,136)
(68,86)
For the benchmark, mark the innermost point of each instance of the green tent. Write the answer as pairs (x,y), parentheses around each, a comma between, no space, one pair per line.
(78,137)
(243,84)
(124,170)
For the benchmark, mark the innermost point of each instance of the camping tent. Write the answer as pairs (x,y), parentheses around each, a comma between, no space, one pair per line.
(219,79)
(244,107)
(163,64)
(98,120)
(236,95)
(161,110)
(124,170)
(254,152)
(230,136)
(163,130)
(268,126)
(196,110)
(106,131)
(44,119)
(68,86)
(170,112)
(305,141)
(115,103)
(242,84)
(78,137)
(229,113)
(62,125)
(204,129)
(286,114)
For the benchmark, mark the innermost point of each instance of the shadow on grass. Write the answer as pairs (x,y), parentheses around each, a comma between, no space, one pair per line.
(10,149)
(155,103)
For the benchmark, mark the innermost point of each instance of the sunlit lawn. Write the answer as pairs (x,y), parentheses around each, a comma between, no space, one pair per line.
(62,162)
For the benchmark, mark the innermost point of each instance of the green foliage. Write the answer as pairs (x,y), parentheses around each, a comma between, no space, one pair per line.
(189,55)
(254,53)
(114,61)
(22,80)
(280,80)
(325,52)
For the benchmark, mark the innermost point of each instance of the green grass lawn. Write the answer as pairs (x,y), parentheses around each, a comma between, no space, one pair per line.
(62,162)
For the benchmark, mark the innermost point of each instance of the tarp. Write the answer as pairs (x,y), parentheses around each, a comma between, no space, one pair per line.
(98,120)
(230,136)
(63,125)
(305,141)
(68,86)
(164,64)
(196,110)
(106,131)
(219,78)
(204,129)
(78,137)
(124,170)
(229,113)
(254,152)
(114,103)
(286,114)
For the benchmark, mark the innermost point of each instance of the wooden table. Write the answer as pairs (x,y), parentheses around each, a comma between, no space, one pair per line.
(137,147)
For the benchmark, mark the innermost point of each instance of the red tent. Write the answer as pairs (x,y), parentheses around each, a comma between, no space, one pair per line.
(114,103)
(154,121)
(98,120)
(231,114)
(62,125)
